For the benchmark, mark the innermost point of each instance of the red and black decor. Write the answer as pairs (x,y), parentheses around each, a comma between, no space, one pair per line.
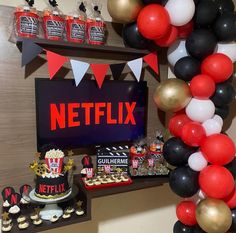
(200,38)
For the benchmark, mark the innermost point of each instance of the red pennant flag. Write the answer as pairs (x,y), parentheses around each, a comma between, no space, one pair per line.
(152,60)
(55,62)
(99,71)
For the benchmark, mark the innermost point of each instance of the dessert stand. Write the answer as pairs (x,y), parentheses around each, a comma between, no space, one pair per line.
(51,208)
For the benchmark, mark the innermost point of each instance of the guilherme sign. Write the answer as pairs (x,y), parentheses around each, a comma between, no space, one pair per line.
(72,117)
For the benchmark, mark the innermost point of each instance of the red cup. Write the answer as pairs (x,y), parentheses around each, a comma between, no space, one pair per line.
(53,27)
(96,32)
(75,30)
(27,24)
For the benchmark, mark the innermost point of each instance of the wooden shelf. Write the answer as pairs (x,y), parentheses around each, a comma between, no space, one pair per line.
(85,47)
(87,196)
(138,183)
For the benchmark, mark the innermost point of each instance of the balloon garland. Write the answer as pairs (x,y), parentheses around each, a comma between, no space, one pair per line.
(200,37)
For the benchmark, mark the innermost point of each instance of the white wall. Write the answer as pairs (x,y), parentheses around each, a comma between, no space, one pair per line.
(150,210)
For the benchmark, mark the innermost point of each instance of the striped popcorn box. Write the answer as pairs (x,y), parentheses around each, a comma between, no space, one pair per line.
(54,160)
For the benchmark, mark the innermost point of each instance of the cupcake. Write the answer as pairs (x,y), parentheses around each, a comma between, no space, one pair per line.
(89,182)
(6,204)
(6,227)
(79,211)
(7,221)
(124,178)
(54,218)
(69,210)
(23,225)
(14,209)
(34,216)
(97,182)
(37,221)
(66,215)
(21,218)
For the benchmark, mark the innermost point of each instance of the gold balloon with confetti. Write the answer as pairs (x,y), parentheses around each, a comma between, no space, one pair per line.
(172,95)
(213,216)
(124,11)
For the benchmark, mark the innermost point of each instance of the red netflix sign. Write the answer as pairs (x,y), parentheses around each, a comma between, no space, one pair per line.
(71,116)
(60,118)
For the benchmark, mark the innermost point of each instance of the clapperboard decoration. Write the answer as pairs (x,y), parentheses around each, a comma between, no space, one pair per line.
(111,158)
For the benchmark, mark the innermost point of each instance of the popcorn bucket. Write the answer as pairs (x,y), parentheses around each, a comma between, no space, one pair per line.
(75,30)
(135,163)
(27,24)
(53,27)
(96,32)
(89,172)
(54,164)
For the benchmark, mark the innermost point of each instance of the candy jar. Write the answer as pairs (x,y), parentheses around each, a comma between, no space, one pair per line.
(76,24)
(53,22)
(27,20)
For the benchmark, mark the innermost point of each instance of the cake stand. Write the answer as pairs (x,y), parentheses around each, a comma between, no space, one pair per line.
(51,208)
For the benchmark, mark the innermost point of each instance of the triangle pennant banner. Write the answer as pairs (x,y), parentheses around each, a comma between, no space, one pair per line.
(79,69)
(136,67)
(30,50)
(116,70)
(55,62)
(99,71)
(152,60)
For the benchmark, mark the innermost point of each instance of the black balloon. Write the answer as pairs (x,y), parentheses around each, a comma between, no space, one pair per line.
(181,228)
(186,68)
(201,43)
(222,111)
(225,27)
(224,94)
(132,38)
(205,13)
(233,226)
(199,230)
(184,181)
(232,167)
(176,152)
(225,5)
(196,2)
(162,2)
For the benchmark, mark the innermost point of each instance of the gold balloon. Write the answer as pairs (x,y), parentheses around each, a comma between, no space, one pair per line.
(124,11)
(213,216)
(172,95)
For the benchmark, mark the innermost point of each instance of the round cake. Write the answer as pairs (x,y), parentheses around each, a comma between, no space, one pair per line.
(52,175)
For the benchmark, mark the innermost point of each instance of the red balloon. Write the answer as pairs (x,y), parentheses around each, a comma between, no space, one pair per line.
(169,38)
(176,124)
(185,212)
(218,66)
(202,86)
(153,21)
(231,200)
(193,134)
(185,30)
(218,149)
(216,181)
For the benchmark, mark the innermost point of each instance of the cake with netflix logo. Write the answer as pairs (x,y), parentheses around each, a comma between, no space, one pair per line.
(52,175)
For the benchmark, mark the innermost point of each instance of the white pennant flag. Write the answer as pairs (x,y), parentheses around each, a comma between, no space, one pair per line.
(79,69)
(136,67)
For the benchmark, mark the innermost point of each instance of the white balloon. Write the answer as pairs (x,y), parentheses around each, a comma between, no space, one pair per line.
(180,11)
(219,119)
(176,51)
(229,49)
(200,110)
(212,126)
(197,162)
